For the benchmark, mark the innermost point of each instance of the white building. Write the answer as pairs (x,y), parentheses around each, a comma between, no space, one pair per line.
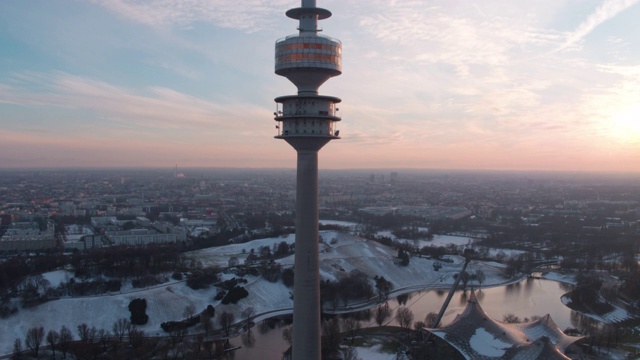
(138,237)
(27,236)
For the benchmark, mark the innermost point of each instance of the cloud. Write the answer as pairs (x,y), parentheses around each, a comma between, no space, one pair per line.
(606,11)
(447,34)
(152,108)
(486,71)
(246,15)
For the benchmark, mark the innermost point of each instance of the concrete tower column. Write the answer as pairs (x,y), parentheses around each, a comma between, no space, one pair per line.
(306,289)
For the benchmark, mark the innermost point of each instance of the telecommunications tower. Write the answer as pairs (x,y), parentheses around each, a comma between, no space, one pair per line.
(307,122)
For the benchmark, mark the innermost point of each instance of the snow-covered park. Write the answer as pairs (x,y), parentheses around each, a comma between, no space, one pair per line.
(340,254)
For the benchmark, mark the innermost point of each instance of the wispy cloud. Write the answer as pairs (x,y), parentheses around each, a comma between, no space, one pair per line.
(155,107)
(245,15)
(444,83)
(606,11)
(431,34)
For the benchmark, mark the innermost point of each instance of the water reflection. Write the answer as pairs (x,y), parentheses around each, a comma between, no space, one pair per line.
(584,324)
(463,298)
(248,339)
(531,297)
(265,341)
(364,315)
(402,299)
(566,287)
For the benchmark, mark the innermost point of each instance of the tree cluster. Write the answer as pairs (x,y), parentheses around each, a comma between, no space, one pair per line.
(586,294)
(124,342)
(383,286)
(127,261)
(234,295)
(138,309)
(356,285)
(202,278)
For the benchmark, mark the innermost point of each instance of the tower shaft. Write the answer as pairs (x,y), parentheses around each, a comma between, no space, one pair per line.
(306,288)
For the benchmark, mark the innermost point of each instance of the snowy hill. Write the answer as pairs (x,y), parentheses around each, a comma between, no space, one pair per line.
(340,254)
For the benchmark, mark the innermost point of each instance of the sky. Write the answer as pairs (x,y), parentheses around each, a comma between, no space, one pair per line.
(549,85)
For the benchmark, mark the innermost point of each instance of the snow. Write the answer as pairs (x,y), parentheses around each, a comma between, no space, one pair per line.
(57,277)
(386,233)
(347,224)
(560,277)
(485,344)
(219,256)
(446,240)
(496,264)
(373,353)
(509,253)
(168,301)
(438,240)
(618,314)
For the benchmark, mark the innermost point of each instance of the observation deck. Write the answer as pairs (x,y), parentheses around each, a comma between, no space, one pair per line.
(318,52)
(307,116)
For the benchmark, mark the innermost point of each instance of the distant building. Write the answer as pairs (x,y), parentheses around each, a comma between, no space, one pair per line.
(101,221)
(168,228)
(138,237)
(427,212)
(143,221)
(80,237)
(28,236)
(379,210)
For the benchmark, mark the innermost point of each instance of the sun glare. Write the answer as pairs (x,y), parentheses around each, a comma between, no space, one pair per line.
(625,126)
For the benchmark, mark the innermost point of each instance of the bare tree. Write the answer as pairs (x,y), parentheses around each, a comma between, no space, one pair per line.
(351,326)
(247,314)
(65,340)
(465,277)
(136,336)
(350,354)
(418,326)
(480,276)
(17,349)
(87,334)
(189,311)
(330,338)
(53,338)
(381,314)
(205,321)
(103,337)
(404,317)
(225,320)
(287,335)
(511,318)
(177,335)
(197,345)
(430,319)
(133,333)
(121,327)
(34,338)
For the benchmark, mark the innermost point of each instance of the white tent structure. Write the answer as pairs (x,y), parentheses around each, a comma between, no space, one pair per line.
(478,336)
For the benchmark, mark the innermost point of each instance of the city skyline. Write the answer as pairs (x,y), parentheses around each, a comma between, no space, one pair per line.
(544,85)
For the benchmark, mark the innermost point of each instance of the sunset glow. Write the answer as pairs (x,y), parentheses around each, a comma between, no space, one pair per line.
(526,85)
(625,126)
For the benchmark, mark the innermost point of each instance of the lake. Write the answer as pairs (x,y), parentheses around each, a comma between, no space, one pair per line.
(523,299)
